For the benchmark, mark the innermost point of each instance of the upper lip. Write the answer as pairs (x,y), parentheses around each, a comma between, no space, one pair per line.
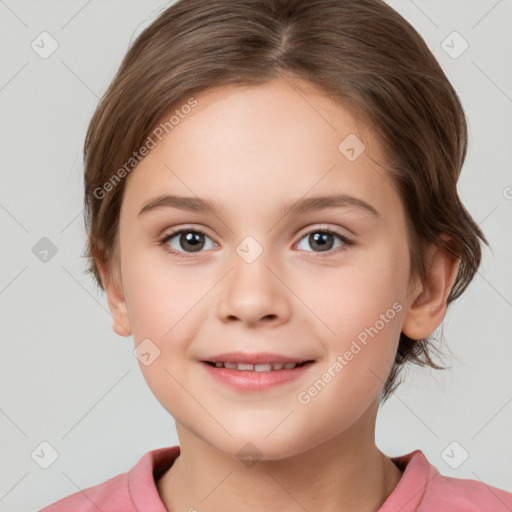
(256,358)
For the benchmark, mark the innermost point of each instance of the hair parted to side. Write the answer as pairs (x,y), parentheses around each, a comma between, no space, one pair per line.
(360,53)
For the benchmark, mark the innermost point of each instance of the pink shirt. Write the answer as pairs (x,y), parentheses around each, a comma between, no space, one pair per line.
(421,489)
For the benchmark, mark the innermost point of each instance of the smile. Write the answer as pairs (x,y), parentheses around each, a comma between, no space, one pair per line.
(247,367)
(255,372)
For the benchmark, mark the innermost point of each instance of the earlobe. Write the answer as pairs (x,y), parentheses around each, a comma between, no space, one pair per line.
(429,299)
(116,301)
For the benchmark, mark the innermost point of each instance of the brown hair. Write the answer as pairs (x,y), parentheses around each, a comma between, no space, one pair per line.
(359,52)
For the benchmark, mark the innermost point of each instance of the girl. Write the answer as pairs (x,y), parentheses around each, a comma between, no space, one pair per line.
(273,214)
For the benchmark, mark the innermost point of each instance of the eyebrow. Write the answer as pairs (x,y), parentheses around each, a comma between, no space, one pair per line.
(297,207)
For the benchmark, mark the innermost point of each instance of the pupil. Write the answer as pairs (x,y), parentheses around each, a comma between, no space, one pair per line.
(195,241)
(323,240)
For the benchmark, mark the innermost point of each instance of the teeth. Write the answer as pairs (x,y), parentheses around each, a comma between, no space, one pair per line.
(262,367)
(267,367)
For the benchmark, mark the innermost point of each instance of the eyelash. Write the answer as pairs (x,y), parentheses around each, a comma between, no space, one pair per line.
(169,236)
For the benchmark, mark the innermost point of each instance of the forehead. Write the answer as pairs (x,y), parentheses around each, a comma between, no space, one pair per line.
(263,145)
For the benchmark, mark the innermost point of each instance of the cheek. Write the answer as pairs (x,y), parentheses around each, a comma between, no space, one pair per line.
(364,310)
(159,295)
(168,305)
(366,320)
(164,309)
(355,296)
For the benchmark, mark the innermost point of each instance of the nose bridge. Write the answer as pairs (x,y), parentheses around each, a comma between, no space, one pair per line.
(253,292)
(251,261)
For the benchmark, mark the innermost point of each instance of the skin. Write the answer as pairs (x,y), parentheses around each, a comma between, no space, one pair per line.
(251,149)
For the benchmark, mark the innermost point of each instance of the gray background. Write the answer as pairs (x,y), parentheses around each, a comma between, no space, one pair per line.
(68,380)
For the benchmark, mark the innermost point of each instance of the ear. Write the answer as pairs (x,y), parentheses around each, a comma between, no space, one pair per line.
(116,301)
(428,302)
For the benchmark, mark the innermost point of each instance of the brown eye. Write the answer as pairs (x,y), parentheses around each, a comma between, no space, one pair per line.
(323,240)
(187,241)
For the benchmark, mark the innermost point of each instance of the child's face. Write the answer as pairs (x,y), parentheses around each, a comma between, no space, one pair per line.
(252,150)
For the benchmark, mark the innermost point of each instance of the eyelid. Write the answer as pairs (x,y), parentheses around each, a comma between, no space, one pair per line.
(300,234)
(185,227)
(168,235)
(345,234)
(325,227)
(336,231)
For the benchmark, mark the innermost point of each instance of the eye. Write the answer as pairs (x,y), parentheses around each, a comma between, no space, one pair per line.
(189,241)
(186,241)
(324,240)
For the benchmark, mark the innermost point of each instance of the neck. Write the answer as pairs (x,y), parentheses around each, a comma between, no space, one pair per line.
(346,472)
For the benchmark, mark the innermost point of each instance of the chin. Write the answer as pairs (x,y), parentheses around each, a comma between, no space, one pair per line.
(251,446)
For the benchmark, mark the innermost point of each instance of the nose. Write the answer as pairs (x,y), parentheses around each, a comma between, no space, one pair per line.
(253,294)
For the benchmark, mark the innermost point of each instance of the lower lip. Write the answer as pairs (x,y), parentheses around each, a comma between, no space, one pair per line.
(255,381)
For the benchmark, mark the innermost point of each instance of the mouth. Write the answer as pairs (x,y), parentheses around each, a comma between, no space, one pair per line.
(262,367)
(255,372)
